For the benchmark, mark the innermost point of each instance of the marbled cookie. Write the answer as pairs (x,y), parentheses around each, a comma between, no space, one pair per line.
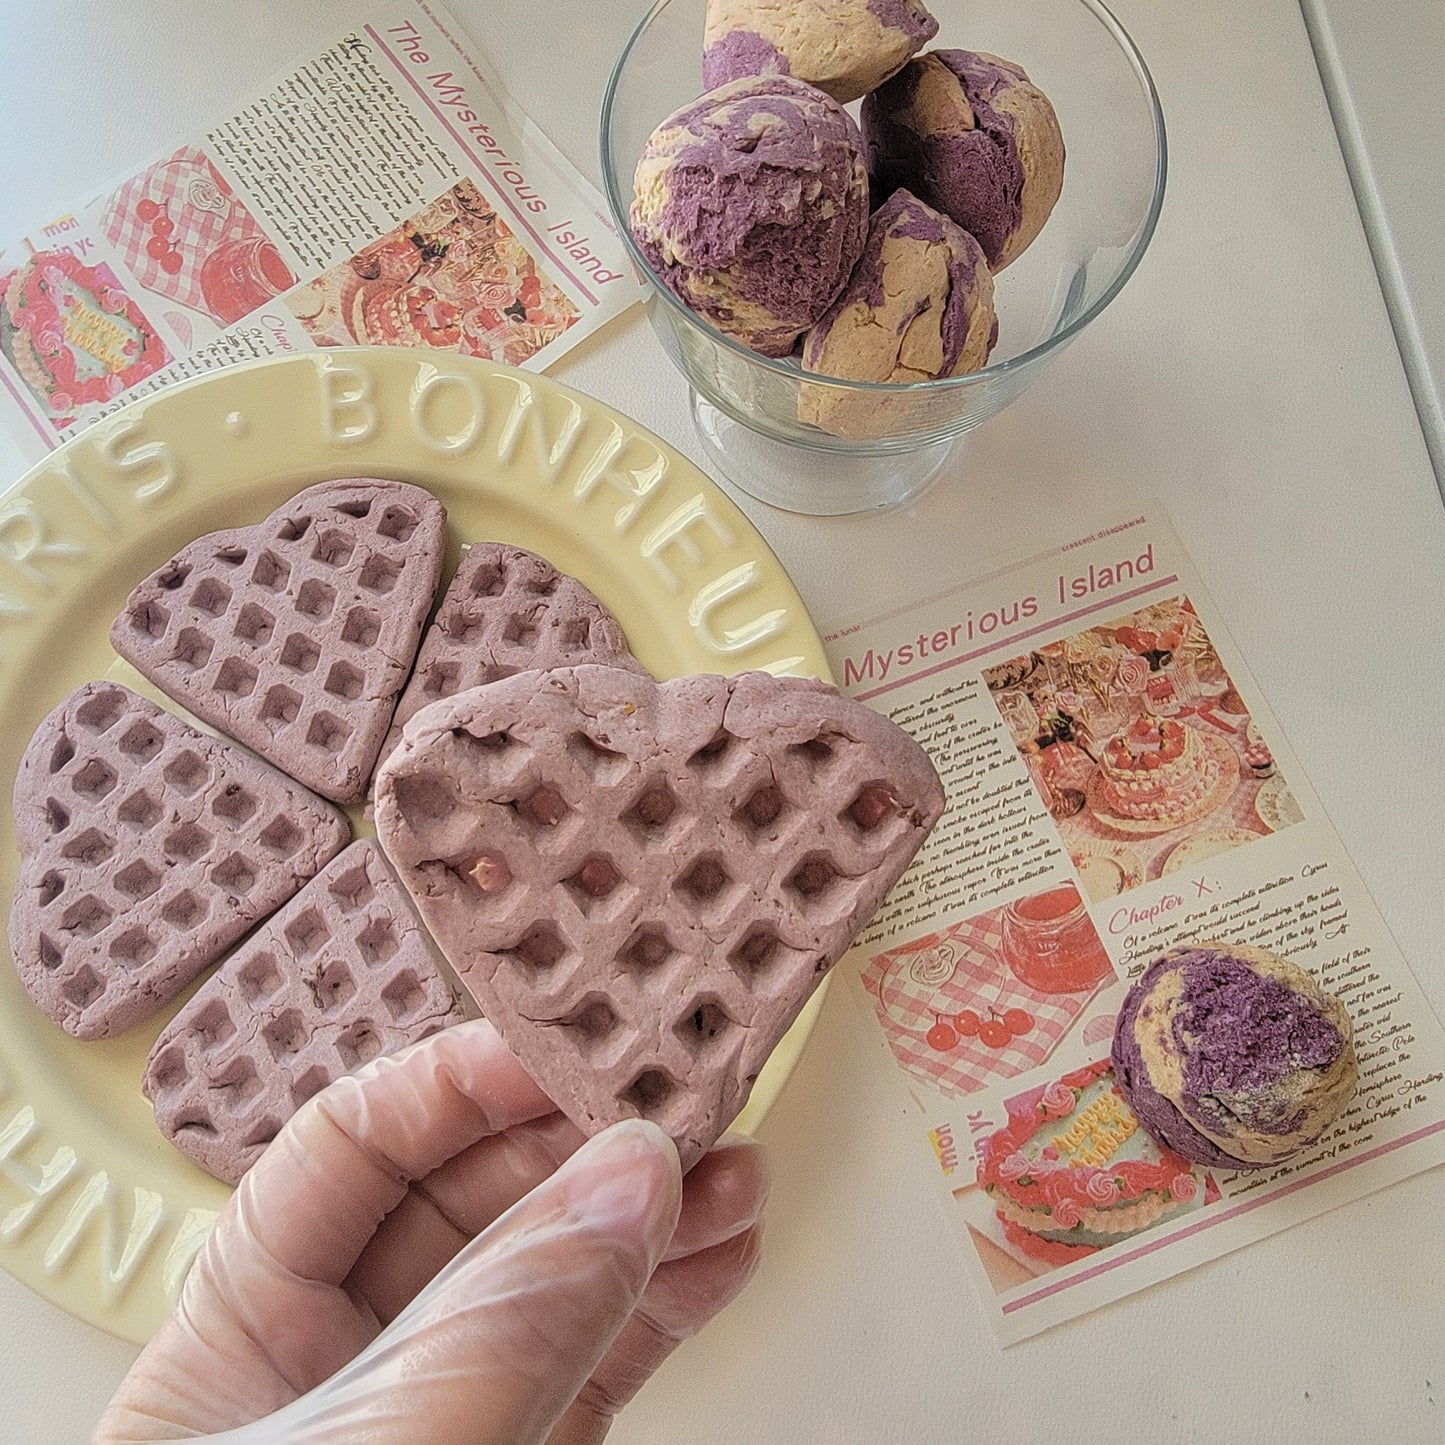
(295,636)
(844,47)
(507,610)
(146,849)
(975,138)
(344,973)
(642,883)
(1233,1056)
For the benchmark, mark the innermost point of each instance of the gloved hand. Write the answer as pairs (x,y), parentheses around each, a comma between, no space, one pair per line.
(407,1262)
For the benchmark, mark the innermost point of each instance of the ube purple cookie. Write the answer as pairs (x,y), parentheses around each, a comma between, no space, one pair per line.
(295,636)
(1232,1056)
(507,610)
(845,47)
(919,306)
(975,138)
(642,883)
(344,973)
(146,849)
(751,205)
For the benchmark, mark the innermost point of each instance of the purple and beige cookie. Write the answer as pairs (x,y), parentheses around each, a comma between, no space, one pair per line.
(919,306)
(343,974)
(975,138)
(507,610)
(844,47)
(146,849)
(642,883)
(751,206)
(1232,1056)
(295,636)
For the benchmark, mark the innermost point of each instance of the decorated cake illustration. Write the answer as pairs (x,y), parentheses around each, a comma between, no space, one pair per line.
(1073,1171)
(73,336)
(1156,769)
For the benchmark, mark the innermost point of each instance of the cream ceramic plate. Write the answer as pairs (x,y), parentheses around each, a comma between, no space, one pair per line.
(97,1212)
(1107,869)
(1206,845)
(1276,806)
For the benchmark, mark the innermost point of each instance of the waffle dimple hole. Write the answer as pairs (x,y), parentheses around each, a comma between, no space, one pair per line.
(271,572)
(647,950)
(816,753)
(50,954)
(652,812)
(151,619)
(293,529)
(259,977)
(50,887)
(195,1122)
(184,911)
(141,741)
(397,523)
(169,1071)
(134,947)
(281,705)
(602,762)
(91,848)
(83,987)
(186,772)
(173,576)
(465,627)
(100,712)
(280,837)
(261,1133)
(140,811)
(358,1045)
(333,546)
(86,917)
(377,942)
(57,815)
(543,807)
(649,1092)
(404,997)
(594,882)
(61,754)
(378,574)
(440,679)
(354,507)
(577,634)
(711,753)
(285,1034)
(212,1024)
(344,681)
(234,874)
(315,599)
(537,952)
(521,629)
(327,732)
(334,986)
(187,843)
(763,807)
(255,625)
(211,596)
(489,580)
(193,649)
(873,806)
(230,556)
(362,627)
(236,678)
(234,803)
(309,1085)
(424,798)
(758,954)
(813,879)
(703,880)
(137,880)
(589,1026)
(542,583)
(238,1083)
(94,780)
(300,653)
(352,889)
(704,1026)
(306,933)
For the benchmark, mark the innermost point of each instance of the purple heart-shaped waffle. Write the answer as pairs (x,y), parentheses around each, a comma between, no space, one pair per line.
(295,636)
(344,973)
(146,849)
(642,883)
(507,610)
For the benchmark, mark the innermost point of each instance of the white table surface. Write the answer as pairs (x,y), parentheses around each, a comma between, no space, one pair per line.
(1248,378)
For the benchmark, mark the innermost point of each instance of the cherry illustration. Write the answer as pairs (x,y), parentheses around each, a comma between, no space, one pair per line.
(994,1034)
(1018,1021)
(147,209)
(966,1021)
(941,1037)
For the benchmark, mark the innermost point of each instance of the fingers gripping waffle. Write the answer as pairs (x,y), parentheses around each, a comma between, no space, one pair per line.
(642,883)
(296,635)
(343,974)
(507,610)
(146,849)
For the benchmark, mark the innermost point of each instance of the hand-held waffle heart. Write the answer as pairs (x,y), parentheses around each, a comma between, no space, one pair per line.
(507,610)
(296,635)
(344,973)
(147,848)
(642,883)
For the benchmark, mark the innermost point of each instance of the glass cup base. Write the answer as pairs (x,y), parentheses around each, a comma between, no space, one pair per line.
(815,483)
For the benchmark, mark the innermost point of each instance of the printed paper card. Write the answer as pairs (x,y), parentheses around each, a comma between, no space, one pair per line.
(996,969)
(385,192)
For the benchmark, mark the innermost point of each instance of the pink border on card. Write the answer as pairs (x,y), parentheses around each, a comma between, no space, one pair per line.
(1109,604)
(1208,1222)
(497,190)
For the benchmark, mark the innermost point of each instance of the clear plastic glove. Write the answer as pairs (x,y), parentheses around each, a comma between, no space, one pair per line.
(408,1262)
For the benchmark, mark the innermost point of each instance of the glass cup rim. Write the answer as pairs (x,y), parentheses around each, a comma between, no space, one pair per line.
(939,385)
